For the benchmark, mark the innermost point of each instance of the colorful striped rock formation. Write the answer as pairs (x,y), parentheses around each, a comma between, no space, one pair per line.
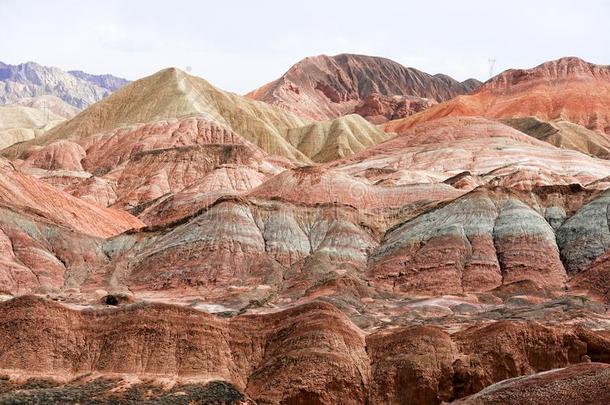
(568,88)
(325,87)
(176,243)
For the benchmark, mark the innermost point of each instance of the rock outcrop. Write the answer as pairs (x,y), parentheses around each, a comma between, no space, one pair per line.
(379,109)
(490,151)
(585,236)
(580,384)
(335,139)
(307,354)
(475,243)
(185,244)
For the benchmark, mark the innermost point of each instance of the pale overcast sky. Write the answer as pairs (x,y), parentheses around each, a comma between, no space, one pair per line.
(241,45)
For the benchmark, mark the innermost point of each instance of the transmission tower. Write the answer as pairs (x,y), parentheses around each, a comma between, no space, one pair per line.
(45,111)
(492,62)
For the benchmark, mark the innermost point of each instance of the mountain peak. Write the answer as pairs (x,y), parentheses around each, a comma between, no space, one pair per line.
(325,87)
(173,94)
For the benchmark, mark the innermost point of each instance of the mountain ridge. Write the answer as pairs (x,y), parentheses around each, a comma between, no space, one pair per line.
(171,93)
(325,87)
(77,88)
(567,88)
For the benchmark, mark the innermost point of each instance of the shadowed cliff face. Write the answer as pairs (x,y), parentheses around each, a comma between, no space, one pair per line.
(325,87)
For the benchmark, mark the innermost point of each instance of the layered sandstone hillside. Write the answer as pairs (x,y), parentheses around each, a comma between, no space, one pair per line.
(20,123)
(174,94)
(307,354)
(325,87)
(194,137)
(569,89)
(564,134)
(23,193)
(331,140)
(175,243)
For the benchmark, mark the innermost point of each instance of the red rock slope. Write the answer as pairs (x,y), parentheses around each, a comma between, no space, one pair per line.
(325,87)
(309,354)
(568,88)
(128,167)
(482,150)
(25,194)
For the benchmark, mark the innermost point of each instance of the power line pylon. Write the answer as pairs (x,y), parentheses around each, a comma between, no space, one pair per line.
(492,62)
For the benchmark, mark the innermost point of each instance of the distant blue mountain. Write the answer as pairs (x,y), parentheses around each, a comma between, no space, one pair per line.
(77,88)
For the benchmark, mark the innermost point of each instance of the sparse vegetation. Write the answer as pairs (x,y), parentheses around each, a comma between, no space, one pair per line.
(102,391)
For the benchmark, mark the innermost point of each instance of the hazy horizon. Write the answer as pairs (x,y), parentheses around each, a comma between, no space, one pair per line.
(242,50)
